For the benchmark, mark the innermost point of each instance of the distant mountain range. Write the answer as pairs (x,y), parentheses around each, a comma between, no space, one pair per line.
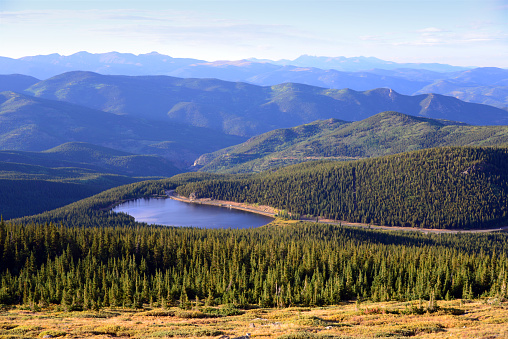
(382,134)
(244,109)
(486,85)
(361,63)
(181,119)
(45,66)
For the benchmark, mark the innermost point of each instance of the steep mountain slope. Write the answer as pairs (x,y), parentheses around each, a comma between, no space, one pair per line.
(247,110)
(34,124)
(382,134)
(452,187)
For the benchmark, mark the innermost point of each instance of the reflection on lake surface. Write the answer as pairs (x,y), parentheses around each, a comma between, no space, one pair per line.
(176,213)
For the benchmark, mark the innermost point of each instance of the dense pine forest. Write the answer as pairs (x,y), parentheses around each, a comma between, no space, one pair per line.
(279,265)
(83,256)
(451,187)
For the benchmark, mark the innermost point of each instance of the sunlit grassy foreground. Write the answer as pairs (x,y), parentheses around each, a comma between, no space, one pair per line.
(486,318)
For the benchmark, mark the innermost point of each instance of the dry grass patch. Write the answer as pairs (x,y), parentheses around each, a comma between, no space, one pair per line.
(382,320)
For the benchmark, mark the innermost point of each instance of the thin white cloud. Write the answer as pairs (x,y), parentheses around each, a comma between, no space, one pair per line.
(162,26)
(96,16)
(430,30)
(372,38)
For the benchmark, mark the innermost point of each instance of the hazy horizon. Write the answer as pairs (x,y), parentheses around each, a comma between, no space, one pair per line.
(456,32)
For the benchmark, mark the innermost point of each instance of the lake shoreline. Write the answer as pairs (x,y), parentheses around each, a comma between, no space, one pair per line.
(262,210)
(272,212)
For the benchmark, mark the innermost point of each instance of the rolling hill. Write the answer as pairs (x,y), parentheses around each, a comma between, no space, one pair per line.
(247,110)
(31,189)
(382,134)
(95,158)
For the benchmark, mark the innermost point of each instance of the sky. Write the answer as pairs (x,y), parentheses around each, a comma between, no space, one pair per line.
(456,32)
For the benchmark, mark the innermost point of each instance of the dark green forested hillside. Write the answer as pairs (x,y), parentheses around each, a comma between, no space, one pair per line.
(455,187)
(29,189)
(34,182)
(302,264)
(382,134)
(95,210)
(20,197)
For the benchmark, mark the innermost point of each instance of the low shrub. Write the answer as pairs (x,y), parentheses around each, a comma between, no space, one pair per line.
(189,314)
(24,329)
(224,311)
(52,333)
(158,313)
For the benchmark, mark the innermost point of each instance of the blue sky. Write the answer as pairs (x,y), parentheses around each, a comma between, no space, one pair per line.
(458,32)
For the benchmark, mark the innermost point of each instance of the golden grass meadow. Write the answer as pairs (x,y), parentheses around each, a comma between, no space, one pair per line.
(485,318)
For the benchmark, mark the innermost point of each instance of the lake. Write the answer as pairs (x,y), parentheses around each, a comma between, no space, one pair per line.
(171,212)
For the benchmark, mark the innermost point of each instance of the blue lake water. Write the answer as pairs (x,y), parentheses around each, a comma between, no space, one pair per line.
(176,213)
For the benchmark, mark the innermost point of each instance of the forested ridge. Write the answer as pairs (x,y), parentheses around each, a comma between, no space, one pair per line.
(382,134)
(450,187)
(280,265)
